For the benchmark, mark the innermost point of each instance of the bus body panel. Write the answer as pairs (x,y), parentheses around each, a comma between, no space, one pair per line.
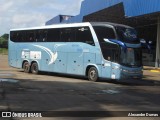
(13,58)
(75,63)
(44,63)
(115,71)
(60,65)
(106,69)
(70,58)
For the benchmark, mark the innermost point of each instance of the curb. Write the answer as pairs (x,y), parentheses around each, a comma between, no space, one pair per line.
(156,71)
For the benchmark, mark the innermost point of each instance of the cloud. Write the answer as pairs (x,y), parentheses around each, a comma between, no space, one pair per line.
(28,13)
(6,6)
(28,20)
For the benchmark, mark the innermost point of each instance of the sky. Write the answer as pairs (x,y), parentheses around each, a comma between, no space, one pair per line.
(30,13)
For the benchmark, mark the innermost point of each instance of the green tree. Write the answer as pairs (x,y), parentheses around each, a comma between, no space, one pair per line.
(5,36)
(4,41)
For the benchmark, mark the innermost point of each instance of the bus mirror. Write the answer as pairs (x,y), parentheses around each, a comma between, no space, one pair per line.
(106,40)
(109,41)
(120,43)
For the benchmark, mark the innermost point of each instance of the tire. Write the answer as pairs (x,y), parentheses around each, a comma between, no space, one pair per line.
(34,68)
(92,74)
(26,67)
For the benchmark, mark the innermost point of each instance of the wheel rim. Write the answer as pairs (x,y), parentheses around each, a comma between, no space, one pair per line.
(92,74)
(26,67)
(34,68)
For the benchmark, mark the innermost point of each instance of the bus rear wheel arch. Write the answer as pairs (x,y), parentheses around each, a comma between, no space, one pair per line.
(92,73)
(26,66)
(34,68)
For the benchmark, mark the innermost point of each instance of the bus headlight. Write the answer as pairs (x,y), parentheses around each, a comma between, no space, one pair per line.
(125,70)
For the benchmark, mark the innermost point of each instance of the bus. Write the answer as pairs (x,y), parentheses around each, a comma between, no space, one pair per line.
(92,49)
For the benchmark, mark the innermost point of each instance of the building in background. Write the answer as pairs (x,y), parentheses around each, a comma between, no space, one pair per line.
(144,15)
(59,19)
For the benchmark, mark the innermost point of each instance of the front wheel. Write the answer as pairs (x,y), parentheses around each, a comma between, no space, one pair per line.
(93,74)
(34,68)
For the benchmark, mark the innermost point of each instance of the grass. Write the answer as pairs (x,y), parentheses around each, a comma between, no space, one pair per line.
(4,51)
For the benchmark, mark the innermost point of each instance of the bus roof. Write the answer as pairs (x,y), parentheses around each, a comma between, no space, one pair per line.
(109,23)
(63,25)
(71,25)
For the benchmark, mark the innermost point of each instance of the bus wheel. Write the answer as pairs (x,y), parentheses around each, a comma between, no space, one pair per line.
(26,67)
(34,68)
(93,74)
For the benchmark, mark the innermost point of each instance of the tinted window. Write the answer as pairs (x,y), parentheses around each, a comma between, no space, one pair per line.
(67,34)
(128,35)
(83,34)
(78,34)
(30,36)
(12,36)
(110,51)
(18,36)
(21,36)
(53,35)
(104,32)
(41,36)
(131,57)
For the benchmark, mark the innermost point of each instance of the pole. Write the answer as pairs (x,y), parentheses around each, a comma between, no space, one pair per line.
(158,44)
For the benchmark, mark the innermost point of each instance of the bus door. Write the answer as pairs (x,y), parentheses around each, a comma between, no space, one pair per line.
(115,71)
(104,66)
(110,66)
(107,62)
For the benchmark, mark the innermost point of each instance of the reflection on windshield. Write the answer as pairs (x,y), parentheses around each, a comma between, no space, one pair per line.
(131,57)
(130,33)
(127,34)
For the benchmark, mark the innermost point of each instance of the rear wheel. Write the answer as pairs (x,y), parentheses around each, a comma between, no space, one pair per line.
(34,68)
(93,74)
(26,67)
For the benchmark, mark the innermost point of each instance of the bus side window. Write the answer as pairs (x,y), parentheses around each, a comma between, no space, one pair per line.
(20,36)
(30,36)
(13,36)
(83,34)
(41,36)
(44,36)
(110,51)
(104,32)
(36,35)
(115,54)
(53,35)
(67,34)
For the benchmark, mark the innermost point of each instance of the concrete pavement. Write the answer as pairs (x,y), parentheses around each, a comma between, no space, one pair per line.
(49,92)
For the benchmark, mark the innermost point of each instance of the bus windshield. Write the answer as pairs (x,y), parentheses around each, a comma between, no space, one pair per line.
(127,34)
(131,57)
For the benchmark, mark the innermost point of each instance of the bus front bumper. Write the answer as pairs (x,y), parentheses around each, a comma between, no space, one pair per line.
(131,75)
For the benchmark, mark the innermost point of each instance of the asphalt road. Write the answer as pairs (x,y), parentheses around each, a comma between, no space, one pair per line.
(54,92)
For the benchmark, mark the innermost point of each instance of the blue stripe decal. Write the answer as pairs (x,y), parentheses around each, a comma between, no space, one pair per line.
(123,45)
